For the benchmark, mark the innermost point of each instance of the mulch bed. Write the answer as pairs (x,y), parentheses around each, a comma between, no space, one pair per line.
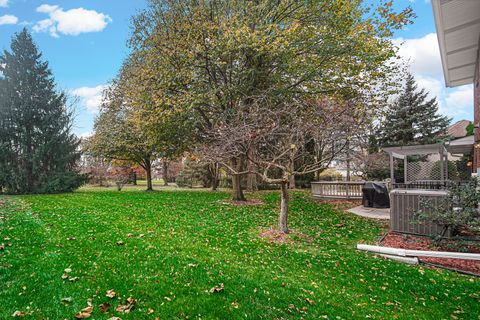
(414,242)
(276,236)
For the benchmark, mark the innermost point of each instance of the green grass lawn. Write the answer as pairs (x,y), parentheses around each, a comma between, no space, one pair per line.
(157,182)
(177,245)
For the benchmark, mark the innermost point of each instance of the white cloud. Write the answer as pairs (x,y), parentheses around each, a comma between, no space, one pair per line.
(3,3)
(425,64)
(434,86)
(46,8)
(8,19)
(423,53)
(91,97)
(84,135)
(71,22)
(462,96)
(459,101)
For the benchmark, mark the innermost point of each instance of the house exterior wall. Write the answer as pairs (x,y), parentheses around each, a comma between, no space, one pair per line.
(476,115)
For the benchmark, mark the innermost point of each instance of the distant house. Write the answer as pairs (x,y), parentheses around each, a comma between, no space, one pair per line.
(462,143)
(459,129)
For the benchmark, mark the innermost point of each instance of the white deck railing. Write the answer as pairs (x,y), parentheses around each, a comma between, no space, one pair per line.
(351,190)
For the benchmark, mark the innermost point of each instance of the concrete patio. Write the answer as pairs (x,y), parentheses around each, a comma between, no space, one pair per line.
(373,213)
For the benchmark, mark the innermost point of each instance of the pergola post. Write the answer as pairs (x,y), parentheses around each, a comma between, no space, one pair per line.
(405,171)
(442,164)
(392,175)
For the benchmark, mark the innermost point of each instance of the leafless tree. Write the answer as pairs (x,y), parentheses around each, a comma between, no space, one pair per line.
(287,140)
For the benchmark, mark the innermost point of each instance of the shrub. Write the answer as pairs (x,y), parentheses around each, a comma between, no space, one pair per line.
(121,176)
(459,209)
(194,173)
(377,166)
(330,175)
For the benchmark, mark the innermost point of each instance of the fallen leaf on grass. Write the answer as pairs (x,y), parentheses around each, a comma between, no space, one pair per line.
(104,307)
(66,300)
(64,276)
(110,293)
(126,308)
(84,313)
(18,314)
(6,239)
(2,246)
(217,289)
(73,279)
(150,311)
(114,318)
(120,243)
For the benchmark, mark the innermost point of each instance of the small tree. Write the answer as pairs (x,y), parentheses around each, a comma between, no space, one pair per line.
(459,209)
(282,136)
(118,136)
(94,167)
(121,175)
(195,172)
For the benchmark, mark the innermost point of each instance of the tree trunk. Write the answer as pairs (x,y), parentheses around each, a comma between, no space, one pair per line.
(214,170)
(237,188)
(251,176)
(252,182)
(165,173)
(283,219)
(238,195)
(291,178)
(291,182)
(348,159)
(148,171)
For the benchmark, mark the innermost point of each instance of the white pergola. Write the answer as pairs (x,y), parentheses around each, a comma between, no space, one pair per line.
(461,146)
(458,31)
(418,150)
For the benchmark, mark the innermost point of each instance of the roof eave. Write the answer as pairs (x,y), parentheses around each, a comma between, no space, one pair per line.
(437,12)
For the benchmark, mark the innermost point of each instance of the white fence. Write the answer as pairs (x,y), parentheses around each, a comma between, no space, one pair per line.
(351,190)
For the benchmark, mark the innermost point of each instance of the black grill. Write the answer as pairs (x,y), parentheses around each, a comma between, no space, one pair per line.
(375,195)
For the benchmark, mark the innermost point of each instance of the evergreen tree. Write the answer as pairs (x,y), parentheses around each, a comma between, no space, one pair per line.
(412,119)
(38,150)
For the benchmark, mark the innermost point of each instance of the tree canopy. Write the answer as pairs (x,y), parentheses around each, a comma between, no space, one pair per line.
(225,64)
(120,134)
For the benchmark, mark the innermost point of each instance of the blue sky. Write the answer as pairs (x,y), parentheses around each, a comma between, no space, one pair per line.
(85,44)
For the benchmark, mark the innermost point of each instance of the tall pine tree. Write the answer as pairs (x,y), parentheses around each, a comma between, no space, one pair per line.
(38,152)
(413,119)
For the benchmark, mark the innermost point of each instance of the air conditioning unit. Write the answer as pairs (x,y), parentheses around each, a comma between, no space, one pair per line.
(403,205)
